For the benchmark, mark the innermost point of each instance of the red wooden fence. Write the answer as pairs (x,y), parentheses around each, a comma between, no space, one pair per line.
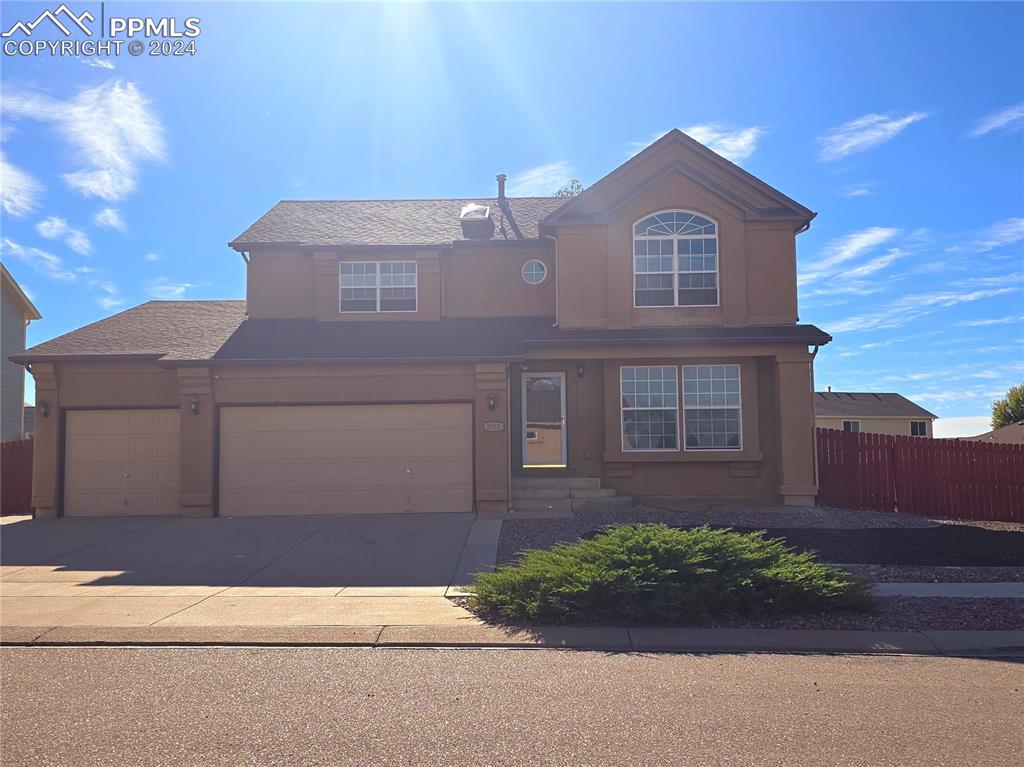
(16,477)
(945,478)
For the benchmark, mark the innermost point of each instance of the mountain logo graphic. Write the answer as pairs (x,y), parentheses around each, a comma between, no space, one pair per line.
(62,12)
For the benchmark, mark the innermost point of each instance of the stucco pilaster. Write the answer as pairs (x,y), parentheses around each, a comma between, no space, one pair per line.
(797,481)
(46,441)
(197,443)
(491,446)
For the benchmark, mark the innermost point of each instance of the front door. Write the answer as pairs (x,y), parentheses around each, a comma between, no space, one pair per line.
(543,420)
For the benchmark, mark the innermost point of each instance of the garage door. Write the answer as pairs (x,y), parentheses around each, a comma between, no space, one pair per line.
(121,462)
(345,459)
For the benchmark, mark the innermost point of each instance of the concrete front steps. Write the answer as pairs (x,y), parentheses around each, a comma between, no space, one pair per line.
(563,494)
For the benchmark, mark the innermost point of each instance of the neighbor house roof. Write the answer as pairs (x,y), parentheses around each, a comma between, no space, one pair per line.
(201,331)
(185,330)
(28,309)
(334,223)
(835,404)
(1011,434)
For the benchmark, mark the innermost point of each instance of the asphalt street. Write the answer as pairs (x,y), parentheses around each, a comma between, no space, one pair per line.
(366,706)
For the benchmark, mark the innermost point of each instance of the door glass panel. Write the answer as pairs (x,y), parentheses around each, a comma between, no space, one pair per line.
(545,422)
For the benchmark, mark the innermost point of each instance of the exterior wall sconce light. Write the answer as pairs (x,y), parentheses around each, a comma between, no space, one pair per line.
(44,408)
(194,406)
(492,402)
(580,371)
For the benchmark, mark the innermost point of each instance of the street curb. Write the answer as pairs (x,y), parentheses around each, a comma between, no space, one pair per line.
(602,638)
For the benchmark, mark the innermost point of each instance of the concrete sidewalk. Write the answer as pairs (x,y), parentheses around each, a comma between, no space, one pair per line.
(475,634)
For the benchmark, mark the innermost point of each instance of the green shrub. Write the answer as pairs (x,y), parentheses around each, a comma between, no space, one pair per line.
(655,574)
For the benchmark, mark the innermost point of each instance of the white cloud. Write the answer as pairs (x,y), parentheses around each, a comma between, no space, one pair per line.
(909,308)
(108,303)
(856,190)
(19,191)
(96,63)
(53,228)
(1008,119)
(962,426)
(845,249)
(542,181)
(864,133)
(41,261)
(166,290)
(151,257)
(109,218)
(111,130)
(985,323)
(1002,234)
(734,144)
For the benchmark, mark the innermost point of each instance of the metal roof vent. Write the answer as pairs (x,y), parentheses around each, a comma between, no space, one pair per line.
(476,222)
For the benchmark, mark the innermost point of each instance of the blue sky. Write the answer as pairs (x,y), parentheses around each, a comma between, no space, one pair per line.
(901,124)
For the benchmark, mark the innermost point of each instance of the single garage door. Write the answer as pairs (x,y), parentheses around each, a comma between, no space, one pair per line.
(121,462)
(345,459)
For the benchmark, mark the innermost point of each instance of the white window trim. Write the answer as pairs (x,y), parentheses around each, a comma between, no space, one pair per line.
(675,261)
(924,423)
(851,420)
(738,408)
(623,409)
(522,273)
(377,287)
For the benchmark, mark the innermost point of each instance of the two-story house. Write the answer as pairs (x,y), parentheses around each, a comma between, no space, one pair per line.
(16,312)
(417,355)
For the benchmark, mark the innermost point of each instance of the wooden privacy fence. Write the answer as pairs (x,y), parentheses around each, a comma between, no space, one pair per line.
(946,478)
(16,477)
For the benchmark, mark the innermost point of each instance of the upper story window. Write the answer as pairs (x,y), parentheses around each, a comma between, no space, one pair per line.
(853,426)
(675,260)
(378,286)
(534,271)
(918,428)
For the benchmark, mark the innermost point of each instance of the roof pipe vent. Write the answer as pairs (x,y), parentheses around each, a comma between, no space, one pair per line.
(501,187)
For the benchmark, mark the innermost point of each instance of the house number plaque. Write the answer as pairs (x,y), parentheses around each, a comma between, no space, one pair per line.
(494,426)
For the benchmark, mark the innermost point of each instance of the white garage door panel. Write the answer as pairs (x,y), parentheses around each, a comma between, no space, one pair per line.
(121,462)
(334,459)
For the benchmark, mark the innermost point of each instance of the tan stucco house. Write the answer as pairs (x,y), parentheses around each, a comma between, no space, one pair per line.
(872,412)
(16,312)
(423,355)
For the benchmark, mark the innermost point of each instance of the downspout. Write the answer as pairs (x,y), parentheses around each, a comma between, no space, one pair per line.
(555,239)
(814,430)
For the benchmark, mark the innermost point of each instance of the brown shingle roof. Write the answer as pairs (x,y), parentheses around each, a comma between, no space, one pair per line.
(867,405)
(182,330)
(386,222)
(1011,434)
(469,338)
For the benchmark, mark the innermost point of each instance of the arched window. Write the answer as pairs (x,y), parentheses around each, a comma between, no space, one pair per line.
(675,260)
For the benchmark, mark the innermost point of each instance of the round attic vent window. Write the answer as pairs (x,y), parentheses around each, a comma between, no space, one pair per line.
(534,272)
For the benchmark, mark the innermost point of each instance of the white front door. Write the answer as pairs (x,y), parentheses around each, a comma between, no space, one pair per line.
(543,420)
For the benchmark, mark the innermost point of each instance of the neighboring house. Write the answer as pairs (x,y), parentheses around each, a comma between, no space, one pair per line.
(416,355)
(29,416)
(1011,434)
(17,311)
(873,412)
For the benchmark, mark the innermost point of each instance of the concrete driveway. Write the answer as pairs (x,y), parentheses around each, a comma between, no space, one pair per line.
(271,571)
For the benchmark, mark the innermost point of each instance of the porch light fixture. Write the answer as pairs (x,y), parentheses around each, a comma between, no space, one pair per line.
(194,406)
(44,408)
(580,371)
(492,402)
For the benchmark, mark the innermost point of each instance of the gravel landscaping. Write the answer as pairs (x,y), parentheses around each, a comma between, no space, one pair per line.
(834,534)
(917,574)
(893,614)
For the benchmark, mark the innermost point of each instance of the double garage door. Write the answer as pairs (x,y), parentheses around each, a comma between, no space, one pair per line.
(315,459)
